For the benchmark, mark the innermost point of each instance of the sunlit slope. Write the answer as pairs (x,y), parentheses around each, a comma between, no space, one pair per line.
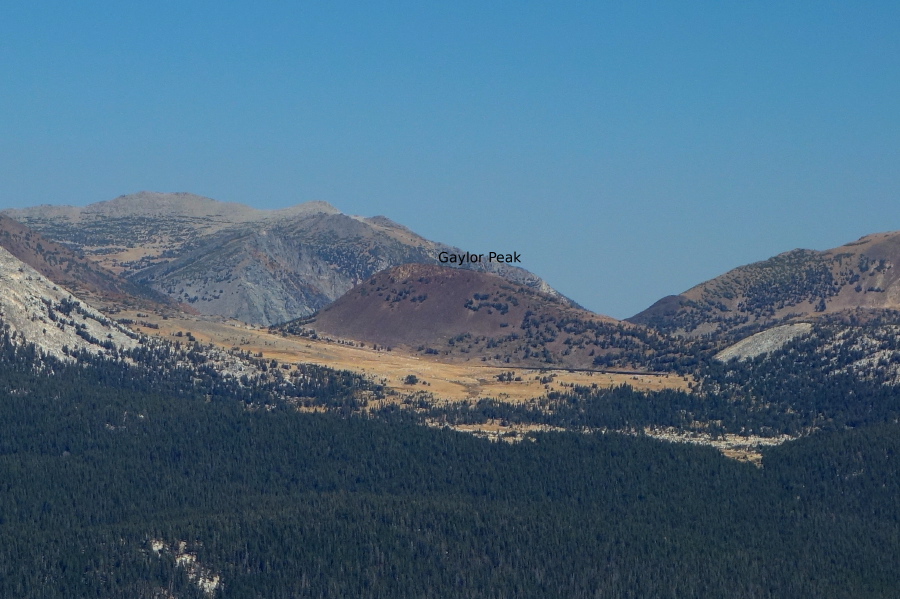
(795,284)
(463,315)
(260,266)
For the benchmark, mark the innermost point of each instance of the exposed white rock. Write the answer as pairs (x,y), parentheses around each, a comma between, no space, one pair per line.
(764,342)
(205,579)
(36,310)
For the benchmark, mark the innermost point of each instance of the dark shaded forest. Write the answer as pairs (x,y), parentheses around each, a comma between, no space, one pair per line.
(99,460)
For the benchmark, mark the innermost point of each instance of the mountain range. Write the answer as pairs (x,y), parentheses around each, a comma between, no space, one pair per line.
(372,280)
(260,266)
(154,445)
(794,285)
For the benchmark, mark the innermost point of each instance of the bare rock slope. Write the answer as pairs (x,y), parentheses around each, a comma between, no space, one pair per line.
(35,310)
(764,342)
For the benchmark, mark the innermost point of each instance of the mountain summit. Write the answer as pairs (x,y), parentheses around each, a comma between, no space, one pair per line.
(465,315)
(260,266)
(795,284)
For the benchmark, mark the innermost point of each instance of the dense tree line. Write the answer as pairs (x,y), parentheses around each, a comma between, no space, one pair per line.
(99,459)
(813,383)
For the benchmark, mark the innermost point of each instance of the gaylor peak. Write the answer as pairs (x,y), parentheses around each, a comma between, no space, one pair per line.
(470,258)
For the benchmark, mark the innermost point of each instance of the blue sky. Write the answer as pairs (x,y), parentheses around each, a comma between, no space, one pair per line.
(627,152)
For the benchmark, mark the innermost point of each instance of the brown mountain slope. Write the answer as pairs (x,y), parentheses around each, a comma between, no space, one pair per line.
(466,315)
(793,285)
(64,267)
(259,266)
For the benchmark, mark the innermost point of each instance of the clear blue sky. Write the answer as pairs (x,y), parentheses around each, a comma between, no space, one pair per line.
(628,150)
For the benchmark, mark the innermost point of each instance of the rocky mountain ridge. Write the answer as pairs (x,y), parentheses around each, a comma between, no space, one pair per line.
(799,284)
(263,267)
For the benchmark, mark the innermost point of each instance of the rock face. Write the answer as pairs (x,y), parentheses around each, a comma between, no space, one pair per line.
(799,283)
(764,342)
(263,267)
(35,310)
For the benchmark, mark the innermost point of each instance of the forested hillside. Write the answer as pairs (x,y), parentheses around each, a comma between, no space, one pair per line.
(117,483)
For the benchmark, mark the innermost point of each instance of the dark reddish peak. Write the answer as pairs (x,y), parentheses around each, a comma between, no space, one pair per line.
(465,315)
